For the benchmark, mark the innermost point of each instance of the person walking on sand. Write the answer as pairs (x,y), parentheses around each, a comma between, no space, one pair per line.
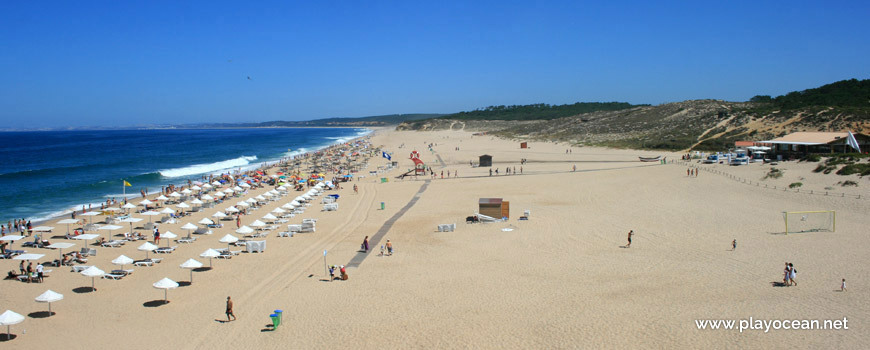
(389,248)
(630,233)
(355,189)
(843,286)
(785,275)
(792,273)
(734,245)
(230,310)
(365,244)
(574,168)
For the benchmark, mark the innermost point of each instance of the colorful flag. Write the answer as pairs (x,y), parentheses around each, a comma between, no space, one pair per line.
(851,141)
(387,156)
(127,183)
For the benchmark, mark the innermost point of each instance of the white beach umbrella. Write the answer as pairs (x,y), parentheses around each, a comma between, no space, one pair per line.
(278,211)
(229,191)
(258,223)
(11,238)
(270,217)
(229,239)
(166,284)
(287,206)
(175,195)
(282,188)
(49,297)
(191,264)
(162,198)
(9,318)
(306,197)
(196,201)
(183,205)
(147,247)
(42,229)
(87,237)
(245,185)
(219,194)
(207,186)
(273,192)
(129,206)
(299,199)
(110,228)
(188,226)
(186,191)
(91,214)
(205,221)
(93,272)
(122,260)
(238,189)
(196,188)
(145,202)
(244,230)
(29,256)
(219,215)
(207,198)
(68,222)
(168,235)
(60,246)
(167,211)
(216,183)
(210,253)
(243,204)
(150,214)
(232,210)
(131,220)
(251,200)
(260,198)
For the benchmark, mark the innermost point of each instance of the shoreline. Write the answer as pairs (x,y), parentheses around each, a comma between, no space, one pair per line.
(260,166)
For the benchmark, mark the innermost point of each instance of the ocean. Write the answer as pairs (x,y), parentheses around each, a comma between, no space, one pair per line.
(44,174)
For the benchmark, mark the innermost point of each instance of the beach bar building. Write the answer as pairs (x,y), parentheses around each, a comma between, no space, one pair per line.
(485,160)
(494,207)
(524,145)
(801,143)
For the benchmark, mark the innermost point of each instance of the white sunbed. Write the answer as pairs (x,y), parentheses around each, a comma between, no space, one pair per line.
(80,268)
(113,276)
(165,250)
(186,240)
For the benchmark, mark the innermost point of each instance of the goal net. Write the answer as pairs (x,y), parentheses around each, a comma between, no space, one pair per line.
(810,221)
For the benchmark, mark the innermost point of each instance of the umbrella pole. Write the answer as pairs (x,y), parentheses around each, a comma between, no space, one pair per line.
(93,287)
(165,298)
(49,309)
(191,276)
(209,262)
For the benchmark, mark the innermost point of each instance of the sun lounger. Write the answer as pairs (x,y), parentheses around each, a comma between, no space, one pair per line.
(143,263)
(285,234)
(186,240)
(202,231)
(113,276)
(446,228)
(113,243)
(122,272)
(165,250)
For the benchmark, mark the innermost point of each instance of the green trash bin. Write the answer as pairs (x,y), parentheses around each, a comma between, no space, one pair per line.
(280,314)
(382,205)
(383,180)
(275,320)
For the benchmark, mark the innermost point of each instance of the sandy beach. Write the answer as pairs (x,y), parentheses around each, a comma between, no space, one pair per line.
(562,279)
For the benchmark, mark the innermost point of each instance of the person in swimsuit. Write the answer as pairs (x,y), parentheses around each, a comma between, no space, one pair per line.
(630,233)
(230,310)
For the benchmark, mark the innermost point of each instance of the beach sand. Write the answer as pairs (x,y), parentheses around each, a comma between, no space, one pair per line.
(562,279)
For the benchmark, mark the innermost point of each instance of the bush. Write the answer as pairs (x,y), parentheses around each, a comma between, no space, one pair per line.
(812,158)
(774,173)
(795,184)
(849,183)
(862,169)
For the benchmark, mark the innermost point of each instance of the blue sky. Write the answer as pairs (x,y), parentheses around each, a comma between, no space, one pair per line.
(80,63)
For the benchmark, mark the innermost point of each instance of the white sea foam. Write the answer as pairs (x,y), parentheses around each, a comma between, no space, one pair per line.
(215,167)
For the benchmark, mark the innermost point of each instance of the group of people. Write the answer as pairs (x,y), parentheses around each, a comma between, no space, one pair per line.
(342,272)
(23,226)
(789,274)
(507,171)
(693,172)
(28,271)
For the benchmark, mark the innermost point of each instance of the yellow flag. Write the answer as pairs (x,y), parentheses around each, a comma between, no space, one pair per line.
(127,183)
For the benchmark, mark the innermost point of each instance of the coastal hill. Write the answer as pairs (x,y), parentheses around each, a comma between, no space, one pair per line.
(696,124)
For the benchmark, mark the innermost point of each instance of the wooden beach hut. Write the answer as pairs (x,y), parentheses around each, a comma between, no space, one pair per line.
(485,160)
(524,145)
(494,207)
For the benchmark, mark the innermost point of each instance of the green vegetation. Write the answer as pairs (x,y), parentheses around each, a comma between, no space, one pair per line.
(539,111)
(850,96)
(850,162)
(862,169)
(815,158)
(795,184)
(848,183)
(774,173)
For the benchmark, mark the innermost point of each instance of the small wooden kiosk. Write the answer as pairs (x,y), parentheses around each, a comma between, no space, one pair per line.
(494,207)
(524,145)
(485,160)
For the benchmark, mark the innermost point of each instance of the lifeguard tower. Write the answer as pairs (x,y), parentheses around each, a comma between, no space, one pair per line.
(419,166)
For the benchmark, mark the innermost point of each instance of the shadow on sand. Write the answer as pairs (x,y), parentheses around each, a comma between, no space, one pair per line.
(155,303)
(41,314)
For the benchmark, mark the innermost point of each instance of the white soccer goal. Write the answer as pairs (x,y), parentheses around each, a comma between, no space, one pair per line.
(810,221)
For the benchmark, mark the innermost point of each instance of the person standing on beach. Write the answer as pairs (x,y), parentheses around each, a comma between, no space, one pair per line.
(734,245)
(156,236)
(365,244)
(792,273)
(843,286)
(21,267)
(39,272)
(389,248)
(630,233)
(230,310)
(785,275)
